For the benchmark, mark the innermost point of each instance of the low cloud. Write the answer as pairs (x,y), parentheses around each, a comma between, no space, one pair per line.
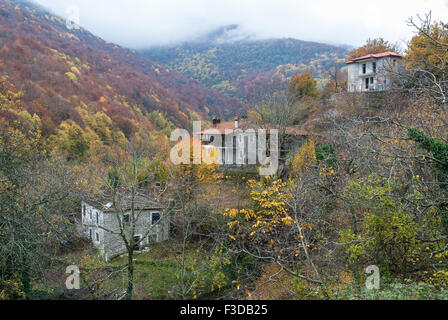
(144,23)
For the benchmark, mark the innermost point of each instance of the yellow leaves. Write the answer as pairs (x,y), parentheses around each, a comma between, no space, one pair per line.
(234,213)
(270,197)
(75,70)
(231,213)
(232,224)
(20,138)
(11,289)
(257,225)
(302,85)
(238,285)
(249,214)
(72,77)
(327,172)
(287,220)
(232,237)
(304,159)
(372,46)
(308,226)
(421,46)
(439,277)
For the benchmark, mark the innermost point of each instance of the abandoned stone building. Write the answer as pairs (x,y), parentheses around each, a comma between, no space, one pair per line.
(373,72)
(102,223)
(236,138)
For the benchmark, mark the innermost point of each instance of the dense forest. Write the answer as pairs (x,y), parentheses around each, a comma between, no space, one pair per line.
(79,73)
(244,68)
(363,194)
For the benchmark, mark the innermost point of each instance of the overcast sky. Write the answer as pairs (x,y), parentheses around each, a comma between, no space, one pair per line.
(143,23)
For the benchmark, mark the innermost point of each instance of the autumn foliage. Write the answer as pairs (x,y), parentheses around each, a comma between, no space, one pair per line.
(372,46)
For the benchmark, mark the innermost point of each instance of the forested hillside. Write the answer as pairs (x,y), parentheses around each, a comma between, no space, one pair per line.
(358,208)
(243,68)
(71,75)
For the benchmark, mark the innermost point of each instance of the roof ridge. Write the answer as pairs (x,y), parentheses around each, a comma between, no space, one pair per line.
(376,55)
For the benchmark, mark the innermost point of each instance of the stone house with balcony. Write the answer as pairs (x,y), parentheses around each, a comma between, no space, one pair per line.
(97,217)
(373,72)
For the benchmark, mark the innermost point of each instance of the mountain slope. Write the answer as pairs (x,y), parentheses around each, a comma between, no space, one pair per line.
(240,68)
(64,74)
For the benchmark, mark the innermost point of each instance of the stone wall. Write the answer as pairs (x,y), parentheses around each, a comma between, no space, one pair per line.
(111,244)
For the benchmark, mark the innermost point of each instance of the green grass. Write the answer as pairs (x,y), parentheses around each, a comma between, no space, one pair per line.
(154,275)
(155,271)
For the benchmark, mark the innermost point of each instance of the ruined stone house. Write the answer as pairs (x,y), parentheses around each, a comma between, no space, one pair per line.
(152,225)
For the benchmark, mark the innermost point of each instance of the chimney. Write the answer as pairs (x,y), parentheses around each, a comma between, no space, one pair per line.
(157,188)
(216,122)
(237,123)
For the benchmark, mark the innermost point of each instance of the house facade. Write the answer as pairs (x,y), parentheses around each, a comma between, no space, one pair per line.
(372,72)
(239,141)
(96,219)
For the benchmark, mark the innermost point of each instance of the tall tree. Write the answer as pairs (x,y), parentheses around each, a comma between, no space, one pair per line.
(303,85)
(372,46)
(34,194)
(427,60)
(127,195)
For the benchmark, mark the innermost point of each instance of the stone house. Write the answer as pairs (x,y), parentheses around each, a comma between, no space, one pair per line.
(237,137)
(373,72)
(98,220)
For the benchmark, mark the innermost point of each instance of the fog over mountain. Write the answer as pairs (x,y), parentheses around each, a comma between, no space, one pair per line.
(144,23)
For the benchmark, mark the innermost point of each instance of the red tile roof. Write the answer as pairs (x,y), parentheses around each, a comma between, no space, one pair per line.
(376,56)
(245,125)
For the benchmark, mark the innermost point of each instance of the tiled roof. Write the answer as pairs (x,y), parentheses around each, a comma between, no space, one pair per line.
(229,127)
(376,56)
(143,200)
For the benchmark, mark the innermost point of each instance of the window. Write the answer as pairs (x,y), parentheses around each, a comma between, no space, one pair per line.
(97,218)
(90,214)
(155,217)
(367,83)
(126,220)
(90,234)
(234,150)
(371,80)
(97,237)
(364,68)
(374,67)
(84,210)
(137,242)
